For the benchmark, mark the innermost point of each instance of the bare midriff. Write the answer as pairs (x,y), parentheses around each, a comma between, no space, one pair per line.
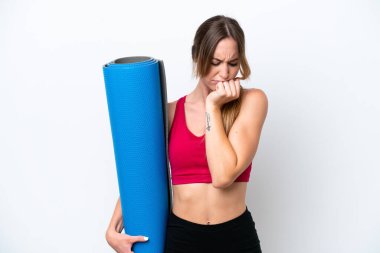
(202,203)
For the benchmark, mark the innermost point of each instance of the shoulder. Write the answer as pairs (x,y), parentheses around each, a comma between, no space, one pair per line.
(254,98)
(172,105)
(254,105)
(171,111)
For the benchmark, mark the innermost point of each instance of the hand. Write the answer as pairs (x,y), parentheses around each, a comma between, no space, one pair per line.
(122,243)
(224,93)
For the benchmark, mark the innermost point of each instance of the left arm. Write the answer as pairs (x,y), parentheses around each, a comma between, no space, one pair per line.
(228,157)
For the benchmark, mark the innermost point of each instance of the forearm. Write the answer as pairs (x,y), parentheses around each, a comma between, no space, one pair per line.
(221,156)
(116,222)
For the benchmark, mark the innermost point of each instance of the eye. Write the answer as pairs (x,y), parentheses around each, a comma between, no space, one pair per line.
(231,64)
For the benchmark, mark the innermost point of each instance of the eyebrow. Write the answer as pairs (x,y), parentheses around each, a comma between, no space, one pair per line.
(221,60)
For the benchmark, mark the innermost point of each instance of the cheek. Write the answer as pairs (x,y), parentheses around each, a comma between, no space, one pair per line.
(235,70)
(213,72)
(209,75)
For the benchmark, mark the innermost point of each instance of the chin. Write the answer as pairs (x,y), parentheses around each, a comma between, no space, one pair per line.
(210,85)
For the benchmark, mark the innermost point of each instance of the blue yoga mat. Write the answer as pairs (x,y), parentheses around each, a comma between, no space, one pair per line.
(137,106)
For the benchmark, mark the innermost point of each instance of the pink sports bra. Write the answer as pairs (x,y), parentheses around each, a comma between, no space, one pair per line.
(187,153)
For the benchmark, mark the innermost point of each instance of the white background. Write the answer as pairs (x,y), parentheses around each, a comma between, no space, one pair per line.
(315,180)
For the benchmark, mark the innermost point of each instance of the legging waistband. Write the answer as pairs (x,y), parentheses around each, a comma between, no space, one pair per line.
(241,219)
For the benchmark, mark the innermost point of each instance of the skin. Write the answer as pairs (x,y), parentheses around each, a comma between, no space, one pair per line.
(216,203)
(227,156)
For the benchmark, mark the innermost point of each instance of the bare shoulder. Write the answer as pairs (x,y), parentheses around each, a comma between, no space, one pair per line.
(254,104)
(254,97)
(172,104)
(171,110)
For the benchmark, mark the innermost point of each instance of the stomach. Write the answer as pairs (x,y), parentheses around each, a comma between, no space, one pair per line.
(202,203)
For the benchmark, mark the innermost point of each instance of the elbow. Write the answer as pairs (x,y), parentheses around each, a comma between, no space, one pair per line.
(222,180)
(221,183)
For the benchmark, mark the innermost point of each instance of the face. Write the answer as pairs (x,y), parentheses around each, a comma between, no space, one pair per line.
(225,63)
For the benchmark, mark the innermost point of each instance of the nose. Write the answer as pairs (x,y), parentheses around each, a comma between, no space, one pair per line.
(224,71)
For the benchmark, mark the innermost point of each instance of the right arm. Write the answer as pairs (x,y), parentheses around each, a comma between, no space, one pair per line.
(116,223)
(121,243)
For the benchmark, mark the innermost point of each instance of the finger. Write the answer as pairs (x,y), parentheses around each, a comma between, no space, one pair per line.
(233,89)
(219,86)
(138,238)
(237,86)
(227,88)
(222,88)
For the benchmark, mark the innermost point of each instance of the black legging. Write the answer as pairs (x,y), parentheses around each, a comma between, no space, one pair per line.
(233,236)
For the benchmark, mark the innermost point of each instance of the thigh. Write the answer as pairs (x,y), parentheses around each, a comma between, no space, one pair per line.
(180,239)
(241,238)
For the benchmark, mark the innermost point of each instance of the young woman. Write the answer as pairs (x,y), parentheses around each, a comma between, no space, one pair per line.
(213,138)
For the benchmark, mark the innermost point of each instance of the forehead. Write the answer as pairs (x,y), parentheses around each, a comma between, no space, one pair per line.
(226,48)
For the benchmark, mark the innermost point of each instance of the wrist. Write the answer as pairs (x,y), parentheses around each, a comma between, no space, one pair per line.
(212,107)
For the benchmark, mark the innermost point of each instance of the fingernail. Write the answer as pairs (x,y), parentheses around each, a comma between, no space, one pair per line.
(146,238)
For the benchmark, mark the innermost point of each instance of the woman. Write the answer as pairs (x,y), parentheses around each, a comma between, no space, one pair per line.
(214,135)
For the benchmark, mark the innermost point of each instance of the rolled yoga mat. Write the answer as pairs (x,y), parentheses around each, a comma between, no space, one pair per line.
(137,106)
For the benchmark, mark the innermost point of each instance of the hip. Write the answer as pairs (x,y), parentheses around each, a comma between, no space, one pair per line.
(236,235)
